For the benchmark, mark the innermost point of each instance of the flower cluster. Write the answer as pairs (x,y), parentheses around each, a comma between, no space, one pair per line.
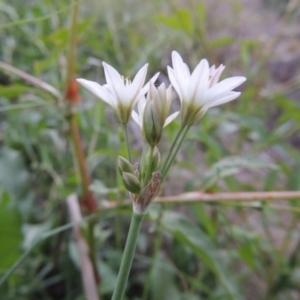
(198,91)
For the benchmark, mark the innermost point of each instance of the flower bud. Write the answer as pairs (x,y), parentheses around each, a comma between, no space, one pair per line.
(147,195)
(131,183)
(124,165)
(155,160)
(152,123)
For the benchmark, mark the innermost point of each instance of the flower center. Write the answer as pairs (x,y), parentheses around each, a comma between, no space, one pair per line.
(126,80)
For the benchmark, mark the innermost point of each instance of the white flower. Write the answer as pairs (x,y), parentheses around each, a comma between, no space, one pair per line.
(162,97)
(200,90)
(119,92)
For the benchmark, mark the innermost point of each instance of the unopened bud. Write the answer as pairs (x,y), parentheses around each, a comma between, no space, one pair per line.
(131,183)
(124,165)
(152,123)
(147,195)
(155,160)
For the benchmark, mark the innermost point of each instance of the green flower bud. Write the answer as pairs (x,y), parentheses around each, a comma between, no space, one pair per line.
(152,123)
(147,195)
(155,160)
(124,165)
(131,183)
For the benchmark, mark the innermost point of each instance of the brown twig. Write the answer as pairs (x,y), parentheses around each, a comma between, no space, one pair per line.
(87,273)
(31,80)
(218,197)
(71,97)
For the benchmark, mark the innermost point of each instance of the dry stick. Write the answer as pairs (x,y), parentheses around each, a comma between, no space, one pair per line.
(71,96)
(31,80)
(88,279)
(218,197)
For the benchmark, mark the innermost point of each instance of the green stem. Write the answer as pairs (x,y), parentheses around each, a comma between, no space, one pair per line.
(172,147)
(127,142)
(149,165)
(175,152)
(135,226)
(158,239)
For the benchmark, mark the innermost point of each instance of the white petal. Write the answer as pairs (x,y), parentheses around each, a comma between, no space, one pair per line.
(98,91)
(229,97)
(152,93)
(171,118)
(146,87)
(141,106)
(222,88)
(199,81)
(181,71)
(212,70)
(178,64)
(137,83)
(114,79)
(136,118)
(216,75)
(175,82)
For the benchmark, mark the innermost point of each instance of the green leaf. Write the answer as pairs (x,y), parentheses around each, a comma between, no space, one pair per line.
(60,36)
(221,42)
(247,254)
(163,285)
(231,166)
(14,90)
(14,178)
(180,20)
(208,223)
(191,236)
(10,233)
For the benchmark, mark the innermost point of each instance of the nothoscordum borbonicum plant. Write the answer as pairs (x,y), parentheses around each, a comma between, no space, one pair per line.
(198,91)
(119,92)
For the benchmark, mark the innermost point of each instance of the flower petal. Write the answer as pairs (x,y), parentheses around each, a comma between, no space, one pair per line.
(135,87)
(137,119)
(199,82)
(171,118)
(98,91)
(229,97)
(215,76)
(146,87)
(141,106)
(114,79)
(175,82)
(179,66)
(222,88)
(181,72)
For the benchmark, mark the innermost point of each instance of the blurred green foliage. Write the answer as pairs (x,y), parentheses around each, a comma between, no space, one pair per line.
(197,251)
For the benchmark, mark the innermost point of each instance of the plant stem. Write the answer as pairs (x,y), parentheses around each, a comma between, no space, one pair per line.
(158,239)
(127,142)
(149,165)
(172,148)
(71,96)
(175,152)
(135,226)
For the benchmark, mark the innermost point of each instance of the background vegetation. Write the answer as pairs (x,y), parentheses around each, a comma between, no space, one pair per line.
(226,250)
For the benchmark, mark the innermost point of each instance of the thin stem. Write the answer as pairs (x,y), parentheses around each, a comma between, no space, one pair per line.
(175,152)
(135,226)
(172,148)
(79,154)
(71,96)
(127,142)
(149,164)
(158,239)
(248,199)
(31,79)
